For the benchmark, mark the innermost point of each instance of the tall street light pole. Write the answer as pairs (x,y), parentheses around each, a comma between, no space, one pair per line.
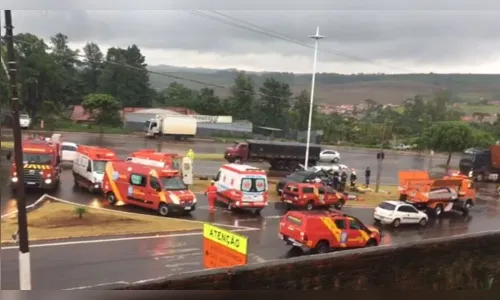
(24,254)
(316,38)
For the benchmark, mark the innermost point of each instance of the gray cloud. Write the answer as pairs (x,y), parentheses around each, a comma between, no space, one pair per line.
(422,36)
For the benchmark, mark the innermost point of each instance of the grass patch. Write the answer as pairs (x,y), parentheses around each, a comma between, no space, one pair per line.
(200,186)
(208,156)
(470,109)
(6,145)
(371,198)
(54,220)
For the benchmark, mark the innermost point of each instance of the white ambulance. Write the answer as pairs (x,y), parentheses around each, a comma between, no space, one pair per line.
(242,187)
(89,165)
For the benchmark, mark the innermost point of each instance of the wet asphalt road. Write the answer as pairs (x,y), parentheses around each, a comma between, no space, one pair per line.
(86,264)
(355,158)
(109,263)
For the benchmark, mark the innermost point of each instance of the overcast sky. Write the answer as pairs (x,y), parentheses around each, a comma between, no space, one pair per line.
(388,41)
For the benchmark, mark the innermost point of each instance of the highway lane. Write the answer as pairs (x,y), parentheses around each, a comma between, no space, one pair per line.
(355,158)
(113,262)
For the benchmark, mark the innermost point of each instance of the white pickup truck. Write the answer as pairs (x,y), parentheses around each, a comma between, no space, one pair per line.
(25,121)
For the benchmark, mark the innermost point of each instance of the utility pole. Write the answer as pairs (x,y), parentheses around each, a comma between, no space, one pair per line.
(24,254)
(316,38)
(380,157)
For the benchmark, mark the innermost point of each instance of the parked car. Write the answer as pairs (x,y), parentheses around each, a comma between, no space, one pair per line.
(329,168)
(25,121)
(68,151)
(322,231)
(329,156)
(301,176)
(402,147)
(396,213)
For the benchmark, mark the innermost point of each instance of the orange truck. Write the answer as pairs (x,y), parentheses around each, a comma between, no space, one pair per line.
(157,188)
(41,164)
(442,195)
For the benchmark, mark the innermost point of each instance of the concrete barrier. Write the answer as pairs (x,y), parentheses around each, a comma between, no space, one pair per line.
(453,263)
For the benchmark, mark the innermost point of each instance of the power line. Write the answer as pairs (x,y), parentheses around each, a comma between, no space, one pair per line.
(274,34)
(176,77)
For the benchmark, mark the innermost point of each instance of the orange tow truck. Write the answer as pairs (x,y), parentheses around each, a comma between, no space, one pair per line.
(409,178)
(442,195)
(41,164)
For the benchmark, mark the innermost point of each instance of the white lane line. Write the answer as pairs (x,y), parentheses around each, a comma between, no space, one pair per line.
(136,238)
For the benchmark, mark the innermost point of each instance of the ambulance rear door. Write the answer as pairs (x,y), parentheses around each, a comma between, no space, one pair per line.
(187,170)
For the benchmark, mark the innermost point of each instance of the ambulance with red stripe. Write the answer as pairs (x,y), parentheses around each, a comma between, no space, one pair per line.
(242,187)
(150,157)
(157,188)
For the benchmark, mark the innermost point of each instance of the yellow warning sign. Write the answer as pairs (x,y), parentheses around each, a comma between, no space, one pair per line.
(226,238)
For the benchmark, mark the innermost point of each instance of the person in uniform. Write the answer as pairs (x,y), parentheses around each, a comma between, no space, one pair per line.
(343,180)
(211,193)
(352,179)
(190,154)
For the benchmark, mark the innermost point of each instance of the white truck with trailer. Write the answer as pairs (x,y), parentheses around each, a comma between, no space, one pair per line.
(178,127)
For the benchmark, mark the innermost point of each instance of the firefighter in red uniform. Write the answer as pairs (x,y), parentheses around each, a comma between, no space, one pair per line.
(211,192)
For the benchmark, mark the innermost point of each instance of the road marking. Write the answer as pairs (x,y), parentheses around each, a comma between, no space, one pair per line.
(136,238)
(258,259)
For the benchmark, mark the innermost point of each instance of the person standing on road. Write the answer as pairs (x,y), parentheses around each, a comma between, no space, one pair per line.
(353,180)
(190,154)
(343,181)
(211,193)
(368,172)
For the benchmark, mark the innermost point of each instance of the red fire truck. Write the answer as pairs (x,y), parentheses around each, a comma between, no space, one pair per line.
(41,164)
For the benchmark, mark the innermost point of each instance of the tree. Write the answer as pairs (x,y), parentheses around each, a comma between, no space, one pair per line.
(447,137)
(274,104)
(103,109)
(93,64)
(208,103)
(242,99)
(300,109)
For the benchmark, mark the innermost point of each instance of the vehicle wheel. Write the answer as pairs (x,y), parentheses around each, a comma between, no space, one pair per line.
(336,160)
(467,207)
(339,205)
(111,198)
(402,197)
(229,206)
(438,211)
(422,222)
(163,210)
(377,221)
(396,223)
(91,188)
(75,183)
(310,205)
(237,160)
(371,243)
(322,247)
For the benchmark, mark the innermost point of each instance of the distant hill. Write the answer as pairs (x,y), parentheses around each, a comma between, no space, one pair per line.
(346,89)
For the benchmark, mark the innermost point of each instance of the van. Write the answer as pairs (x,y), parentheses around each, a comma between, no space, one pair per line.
(322,231)
(150,157)
(156,188)
(89,165)
(311,195)
(242,187)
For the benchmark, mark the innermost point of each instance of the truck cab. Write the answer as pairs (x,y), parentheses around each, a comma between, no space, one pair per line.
(481,164)
(151,127)
(41,164)
(237,153)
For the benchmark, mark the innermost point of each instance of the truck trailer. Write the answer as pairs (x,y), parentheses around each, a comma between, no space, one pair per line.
(282,156)
(178,127)
(481,164)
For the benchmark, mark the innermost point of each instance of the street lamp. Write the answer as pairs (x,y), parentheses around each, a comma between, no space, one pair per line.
(316,38)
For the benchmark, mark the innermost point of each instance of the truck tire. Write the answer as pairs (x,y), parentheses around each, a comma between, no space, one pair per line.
(322,247)
(438,210)
(111,198)
(281,165)
(310,205)
(480,177)
(163,210)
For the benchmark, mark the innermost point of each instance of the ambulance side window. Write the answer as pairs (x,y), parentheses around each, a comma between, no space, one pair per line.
(137,180)
(89,166)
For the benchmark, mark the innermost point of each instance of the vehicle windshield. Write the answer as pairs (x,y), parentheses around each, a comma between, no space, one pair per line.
(37,158)
(24,117)
(99,166)
(173,183)
(297,176)
(146,124)
(469,156)
(387,206)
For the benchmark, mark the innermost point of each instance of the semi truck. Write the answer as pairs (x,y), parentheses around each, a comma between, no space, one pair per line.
(481,164)
(282,156)
(178,127)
